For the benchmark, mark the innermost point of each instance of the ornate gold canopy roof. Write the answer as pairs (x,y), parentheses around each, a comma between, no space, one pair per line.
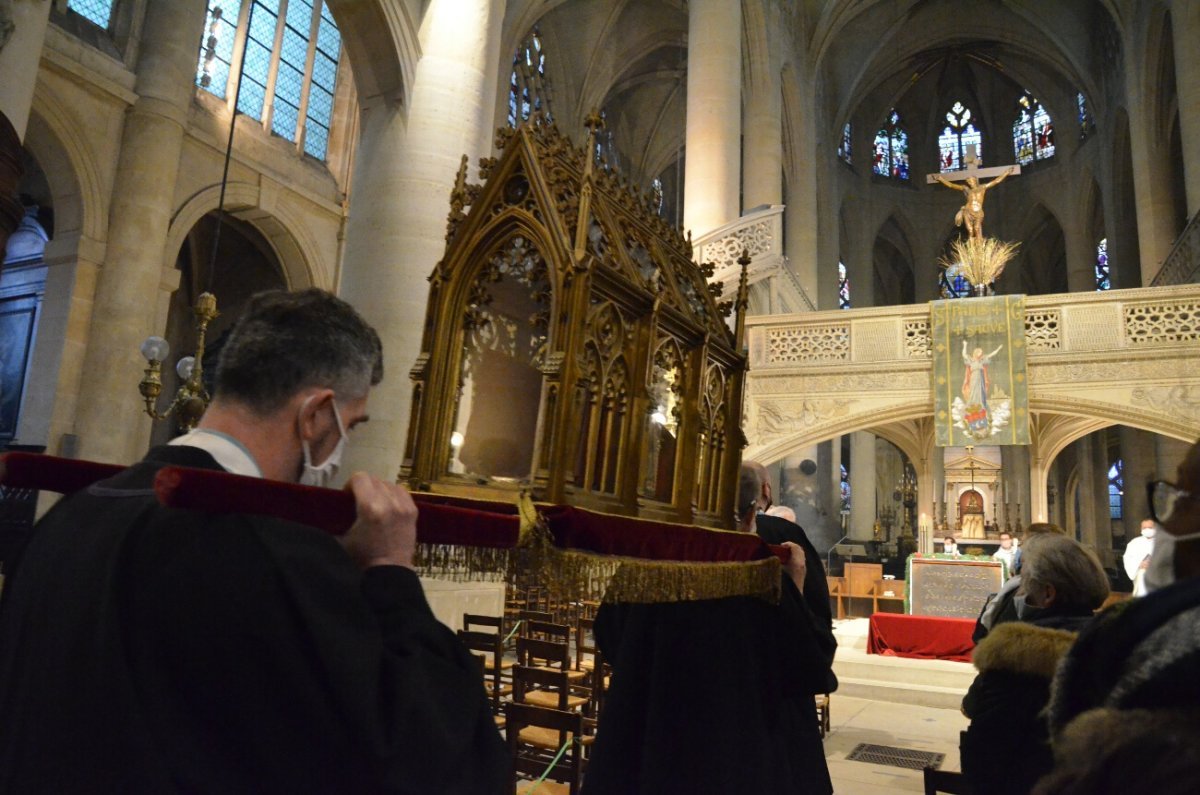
(572,347)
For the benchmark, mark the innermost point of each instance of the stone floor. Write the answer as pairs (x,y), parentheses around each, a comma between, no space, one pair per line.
(891,701)
(856,720)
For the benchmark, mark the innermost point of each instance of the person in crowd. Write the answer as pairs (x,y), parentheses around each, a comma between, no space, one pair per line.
(1145,653)
(1062,585)
(1001,606)
(713,695)
(1119,752)
(781,528)
(1007,552)
(950,546)
(1137,556)
(147,649)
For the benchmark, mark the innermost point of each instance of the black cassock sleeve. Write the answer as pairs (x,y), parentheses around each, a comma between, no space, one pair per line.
(265,645)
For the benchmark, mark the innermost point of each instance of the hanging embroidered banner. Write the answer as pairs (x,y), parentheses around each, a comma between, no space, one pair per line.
(980,394)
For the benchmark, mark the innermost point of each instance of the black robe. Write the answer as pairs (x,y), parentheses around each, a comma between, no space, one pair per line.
(712,696)
(144,649)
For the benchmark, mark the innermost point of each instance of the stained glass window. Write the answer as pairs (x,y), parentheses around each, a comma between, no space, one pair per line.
(656,190)
(301,72)
(952,283)
(844,489)
(1103,272)
(527,86)
(1116,488)
(957,138)
(1033,131)
(320,91)
(844,149)
(260,42)
(1086,122)
(98,12)
(891,149)
(843,287)
(216,49)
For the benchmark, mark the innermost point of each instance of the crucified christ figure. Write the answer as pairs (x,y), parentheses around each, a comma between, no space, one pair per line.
(971,214)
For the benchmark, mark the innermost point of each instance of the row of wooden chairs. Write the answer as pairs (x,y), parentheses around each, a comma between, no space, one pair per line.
(543,695)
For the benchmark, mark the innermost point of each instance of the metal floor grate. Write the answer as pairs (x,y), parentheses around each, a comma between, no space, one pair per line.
(896,757)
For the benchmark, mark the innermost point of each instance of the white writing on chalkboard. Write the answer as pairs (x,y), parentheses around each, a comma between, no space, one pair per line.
(956,589)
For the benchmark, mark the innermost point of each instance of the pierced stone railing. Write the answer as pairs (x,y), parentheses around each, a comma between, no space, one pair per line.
(1074,323)
(1182,265)
(761,234)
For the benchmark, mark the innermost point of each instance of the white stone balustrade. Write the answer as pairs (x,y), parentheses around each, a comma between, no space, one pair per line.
(1127,357)
(761,234)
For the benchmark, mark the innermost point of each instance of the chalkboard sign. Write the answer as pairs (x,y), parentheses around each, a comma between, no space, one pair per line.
(951,588)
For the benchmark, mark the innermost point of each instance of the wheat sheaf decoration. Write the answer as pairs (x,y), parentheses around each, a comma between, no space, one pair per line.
(982,259)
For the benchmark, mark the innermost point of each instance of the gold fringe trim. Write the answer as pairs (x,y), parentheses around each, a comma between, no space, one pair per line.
(574,575)
(462,564)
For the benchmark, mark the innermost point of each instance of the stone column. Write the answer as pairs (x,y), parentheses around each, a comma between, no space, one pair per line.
(1168,455)
(1185,21)
(862,485)
(1024,483)
(714,101)
(1104,534)
(19,60)
(136,277)
(1151,174)
(1138,460)
(762,149)
(1081,259)
(1086,483)
(829,462)
(405,168)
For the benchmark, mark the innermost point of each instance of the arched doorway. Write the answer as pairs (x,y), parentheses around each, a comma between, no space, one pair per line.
(245,264)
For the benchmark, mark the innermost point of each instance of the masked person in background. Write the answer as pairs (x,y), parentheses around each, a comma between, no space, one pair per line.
(1144,654)
(1138,553)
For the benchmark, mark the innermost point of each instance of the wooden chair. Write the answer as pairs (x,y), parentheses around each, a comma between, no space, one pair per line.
(490,647)
(589,661)
(823,713)
(945,781)
(542,676)
(535,734)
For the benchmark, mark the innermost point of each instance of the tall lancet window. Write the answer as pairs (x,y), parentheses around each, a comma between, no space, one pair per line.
(1103,271)
(891,149)
(844,147)
(1033,131)
(843,287)
(98,12)
(528,90)
(1086,122)
(289,70)
(957,137)
(1116,489)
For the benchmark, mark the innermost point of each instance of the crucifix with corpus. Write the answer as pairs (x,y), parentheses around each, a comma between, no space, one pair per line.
(971,214)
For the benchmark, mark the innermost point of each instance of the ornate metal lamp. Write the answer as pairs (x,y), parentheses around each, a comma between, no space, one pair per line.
(192,398)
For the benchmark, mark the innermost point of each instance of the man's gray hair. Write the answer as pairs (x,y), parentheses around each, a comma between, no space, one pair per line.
(285,342)
(1075,572)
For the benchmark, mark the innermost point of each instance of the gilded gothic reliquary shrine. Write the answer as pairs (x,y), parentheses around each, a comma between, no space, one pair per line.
(573,348)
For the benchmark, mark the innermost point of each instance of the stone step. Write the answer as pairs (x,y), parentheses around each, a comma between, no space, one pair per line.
(904,672)
(898,693)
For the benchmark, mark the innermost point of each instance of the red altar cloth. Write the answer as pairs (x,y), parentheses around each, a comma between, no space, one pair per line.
(923,637)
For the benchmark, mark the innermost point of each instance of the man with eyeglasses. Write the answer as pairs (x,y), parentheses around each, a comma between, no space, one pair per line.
(1145,653)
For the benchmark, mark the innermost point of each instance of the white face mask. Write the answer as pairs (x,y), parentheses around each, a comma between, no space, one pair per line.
(1161,571)
(321,475)
(1148,532)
